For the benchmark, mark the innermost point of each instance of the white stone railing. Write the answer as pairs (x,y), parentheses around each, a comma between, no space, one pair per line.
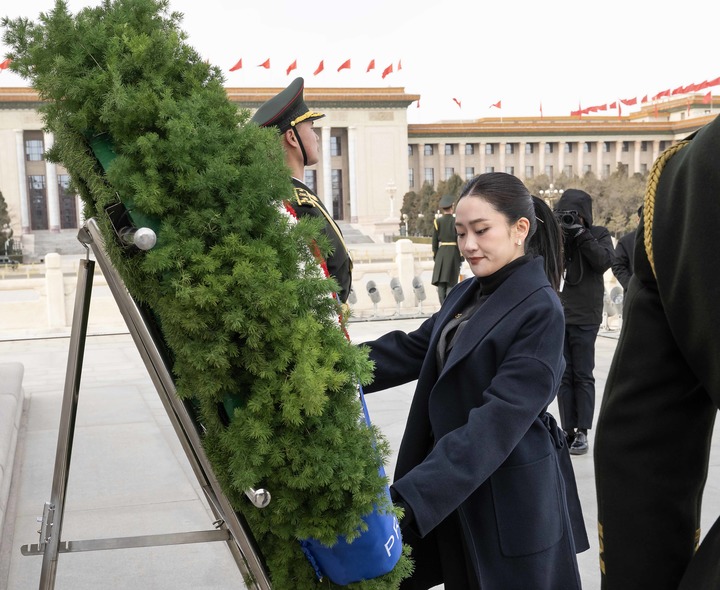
(39,299)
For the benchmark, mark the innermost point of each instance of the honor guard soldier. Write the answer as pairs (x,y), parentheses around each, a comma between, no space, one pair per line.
(663,390)
(445,249)
(288,113)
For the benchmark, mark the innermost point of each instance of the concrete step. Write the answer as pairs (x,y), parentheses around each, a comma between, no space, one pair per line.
(352,235)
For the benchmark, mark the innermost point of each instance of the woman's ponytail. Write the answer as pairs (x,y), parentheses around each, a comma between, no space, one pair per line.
(547,241)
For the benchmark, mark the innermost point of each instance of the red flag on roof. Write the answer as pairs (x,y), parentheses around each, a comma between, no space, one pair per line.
(613,105)
(457,102)
(371,66)
(6,64)
(628,102)
(497,105)
(320,68)
(291,67)
(714,82)
(644,99)
(399,65)
(345,65)
(386,71)
(707,99)
(236,67)
(265,64)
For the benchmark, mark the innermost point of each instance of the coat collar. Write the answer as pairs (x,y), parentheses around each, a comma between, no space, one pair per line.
(527,279)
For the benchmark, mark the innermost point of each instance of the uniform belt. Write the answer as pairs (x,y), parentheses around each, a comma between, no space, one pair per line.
(448,244)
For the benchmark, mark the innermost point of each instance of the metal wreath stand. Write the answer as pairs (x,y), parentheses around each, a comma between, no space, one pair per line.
(229,526)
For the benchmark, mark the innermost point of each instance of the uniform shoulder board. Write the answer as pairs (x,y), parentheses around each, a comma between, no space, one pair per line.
(303,197)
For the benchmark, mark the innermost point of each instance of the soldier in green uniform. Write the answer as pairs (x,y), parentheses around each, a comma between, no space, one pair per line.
(663,390)
(288,113)
(445,249)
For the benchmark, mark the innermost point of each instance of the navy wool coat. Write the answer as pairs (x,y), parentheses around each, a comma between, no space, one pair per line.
(478,441)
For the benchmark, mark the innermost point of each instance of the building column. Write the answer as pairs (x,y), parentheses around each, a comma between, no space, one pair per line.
(22,182)
(352,177)
(636,158)
(655,150)
(541,157)
(461,172)
(599,159)
(618,155)
(326,196)
(521,160)
(483,164)
(51,182)
(502,145)
(580,157)
(560,158)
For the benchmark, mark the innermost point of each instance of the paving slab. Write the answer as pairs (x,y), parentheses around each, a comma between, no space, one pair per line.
(129,475)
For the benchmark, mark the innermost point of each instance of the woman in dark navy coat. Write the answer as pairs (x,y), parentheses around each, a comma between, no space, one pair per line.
(483,472)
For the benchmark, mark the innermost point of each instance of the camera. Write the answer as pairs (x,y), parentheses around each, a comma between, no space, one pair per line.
(568,219)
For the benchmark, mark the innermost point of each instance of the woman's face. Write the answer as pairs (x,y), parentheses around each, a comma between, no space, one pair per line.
(485,238)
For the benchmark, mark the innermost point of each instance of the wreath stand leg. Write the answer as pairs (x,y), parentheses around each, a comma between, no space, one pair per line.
(229,526)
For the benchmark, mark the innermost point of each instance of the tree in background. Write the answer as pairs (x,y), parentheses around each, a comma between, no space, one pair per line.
(6,232)
(422,207)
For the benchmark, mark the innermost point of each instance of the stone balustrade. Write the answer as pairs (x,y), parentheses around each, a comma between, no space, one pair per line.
(38,300)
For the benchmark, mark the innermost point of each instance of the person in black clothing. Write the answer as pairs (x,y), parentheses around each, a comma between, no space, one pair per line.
(622,266)
(655,426)
(588,254)
(483,471)
(288,113)
(446,255)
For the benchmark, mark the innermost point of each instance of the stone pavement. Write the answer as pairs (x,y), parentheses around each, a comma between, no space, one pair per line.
(129,475)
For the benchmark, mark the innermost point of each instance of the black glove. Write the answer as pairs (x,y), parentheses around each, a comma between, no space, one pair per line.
(573,232)
(409,517)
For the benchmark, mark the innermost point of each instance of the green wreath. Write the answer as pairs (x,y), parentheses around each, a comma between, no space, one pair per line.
(231,281)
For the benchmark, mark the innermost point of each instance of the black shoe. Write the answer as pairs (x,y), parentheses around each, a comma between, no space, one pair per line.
(579,446)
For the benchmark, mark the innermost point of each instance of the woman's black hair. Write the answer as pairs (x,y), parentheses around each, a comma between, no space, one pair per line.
(510,197)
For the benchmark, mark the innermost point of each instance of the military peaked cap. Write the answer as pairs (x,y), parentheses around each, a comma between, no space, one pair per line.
(446,201)
(286,109)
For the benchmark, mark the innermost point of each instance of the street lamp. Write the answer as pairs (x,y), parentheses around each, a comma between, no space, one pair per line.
(391,189)
(550,194)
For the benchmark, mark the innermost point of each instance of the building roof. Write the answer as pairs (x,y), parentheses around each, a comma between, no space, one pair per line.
(666,118)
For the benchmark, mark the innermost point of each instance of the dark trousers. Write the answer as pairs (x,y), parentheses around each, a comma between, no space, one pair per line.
(443,290)
(576,397)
